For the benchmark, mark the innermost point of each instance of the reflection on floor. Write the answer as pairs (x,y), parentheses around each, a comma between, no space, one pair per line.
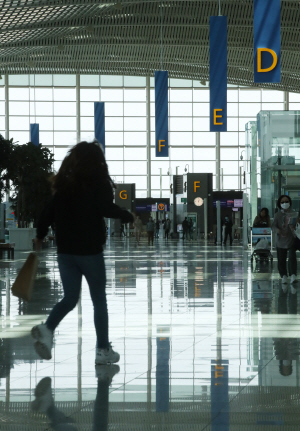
(206,343)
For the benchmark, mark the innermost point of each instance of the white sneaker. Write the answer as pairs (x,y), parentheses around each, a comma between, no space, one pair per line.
(293,279)
(44,337)
(284,279)
(106,356)
(43,396)
(106,372)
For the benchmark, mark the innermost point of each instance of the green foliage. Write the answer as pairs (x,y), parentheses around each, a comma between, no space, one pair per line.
(6,149)
(29,172)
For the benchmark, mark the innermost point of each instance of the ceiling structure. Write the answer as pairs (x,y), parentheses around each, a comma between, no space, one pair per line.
(138,37)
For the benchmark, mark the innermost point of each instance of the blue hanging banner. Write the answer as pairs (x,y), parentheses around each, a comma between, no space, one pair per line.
(162,374)
(99,122)
(161,114)
(218,73)
(266,22)
(35,134)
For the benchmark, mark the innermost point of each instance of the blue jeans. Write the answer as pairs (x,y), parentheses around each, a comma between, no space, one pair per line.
(72,268)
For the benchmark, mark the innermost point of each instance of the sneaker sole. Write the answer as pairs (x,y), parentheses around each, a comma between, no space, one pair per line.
(42,350)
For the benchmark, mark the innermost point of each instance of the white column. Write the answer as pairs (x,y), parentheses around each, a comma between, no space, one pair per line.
(218,179)
(78,131)
(148,113)
(6,108)
(218,204)
(286,101)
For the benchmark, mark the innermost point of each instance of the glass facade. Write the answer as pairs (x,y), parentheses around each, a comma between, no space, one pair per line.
(63,107)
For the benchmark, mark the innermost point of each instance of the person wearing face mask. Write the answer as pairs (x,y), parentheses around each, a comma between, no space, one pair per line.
(283,225)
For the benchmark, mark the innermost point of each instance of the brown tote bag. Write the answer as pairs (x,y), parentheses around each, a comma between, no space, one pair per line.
(23,285)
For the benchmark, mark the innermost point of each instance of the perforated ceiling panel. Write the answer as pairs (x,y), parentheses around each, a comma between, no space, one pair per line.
(137,38)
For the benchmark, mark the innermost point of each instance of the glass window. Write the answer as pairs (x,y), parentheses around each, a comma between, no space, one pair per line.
(232,124)
(2,92)
(114,123)
(18,108)
(135,109)
(46,123)
(185,153)
(204,153)
(60,153)
(42,94)
(232,109)
(135,168)
(44,108)
(204,138)
(181,109)
(65,138)
(180,138)
(243,122)
(140,181)
(294,97)
(200,95)
(111,81)
(229,153)
(181,95)
(272,107)
(18,80)
(64,80)
(19,123)
(135,138)
(87,123)
(249,109)
(115,168)
(175,82)
(158,163)
(46,138)
(294,106)
(272,96)
(63,108)
(229,138)
(89,80)
(2,126)
(20,137)
(134,124)
(112,153)
(230,168)
(64,123)
(64,94)
(232,95)
(201,124)
(41,80)
(111,95)
(134,81)
(205,167)
(87,109)
(181,124)
(89,94)
(2,108)
(135,153)
(114,109)
(230,182)
(201,109)
(113,138)
(131,95)
(250,95)
(18,93)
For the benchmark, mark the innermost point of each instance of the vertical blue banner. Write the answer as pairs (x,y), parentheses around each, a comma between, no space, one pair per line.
(218,73)
(161,114)
(162,374)
(266,28)
(99,122)
(219,395)
(35,134)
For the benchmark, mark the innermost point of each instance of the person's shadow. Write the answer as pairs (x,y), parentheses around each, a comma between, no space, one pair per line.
(286,349)
(44,402)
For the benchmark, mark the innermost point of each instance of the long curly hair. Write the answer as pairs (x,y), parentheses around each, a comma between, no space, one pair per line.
(83,166)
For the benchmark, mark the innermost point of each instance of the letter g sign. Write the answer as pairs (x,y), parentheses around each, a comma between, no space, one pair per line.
(123,194)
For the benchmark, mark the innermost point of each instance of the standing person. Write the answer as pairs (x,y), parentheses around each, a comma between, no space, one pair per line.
(228,230)
(191,229)
(150,231)
(262,219)
(185,227)
(138,226)
(283,225)
(83,195)
(167,228)
(157,226)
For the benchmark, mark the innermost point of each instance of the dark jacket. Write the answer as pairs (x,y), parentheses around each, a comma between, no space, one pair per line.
(78,219)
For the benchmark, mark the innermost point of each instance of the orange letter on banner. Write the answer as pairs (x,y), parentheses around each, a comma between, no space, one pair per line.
(196,186)
(217,116)
(259,51)
(123,196)
(160,144)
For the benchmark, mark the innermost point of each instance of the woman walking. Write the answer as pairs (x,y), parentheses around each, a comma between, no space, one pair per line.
(284,226)
(83,195)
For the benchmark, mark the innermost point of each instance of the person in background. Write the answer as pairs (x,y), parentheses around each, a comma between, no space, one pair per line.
(157,226)
(167,228)
(262,219)
(82,182)
(228,230)
(284,226)
(138,226)
(185,228)
(191,229)
(150,230)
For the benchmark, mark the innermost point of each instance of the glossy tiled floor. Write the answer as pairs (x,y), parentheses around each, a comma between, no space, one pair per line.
(206,343)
